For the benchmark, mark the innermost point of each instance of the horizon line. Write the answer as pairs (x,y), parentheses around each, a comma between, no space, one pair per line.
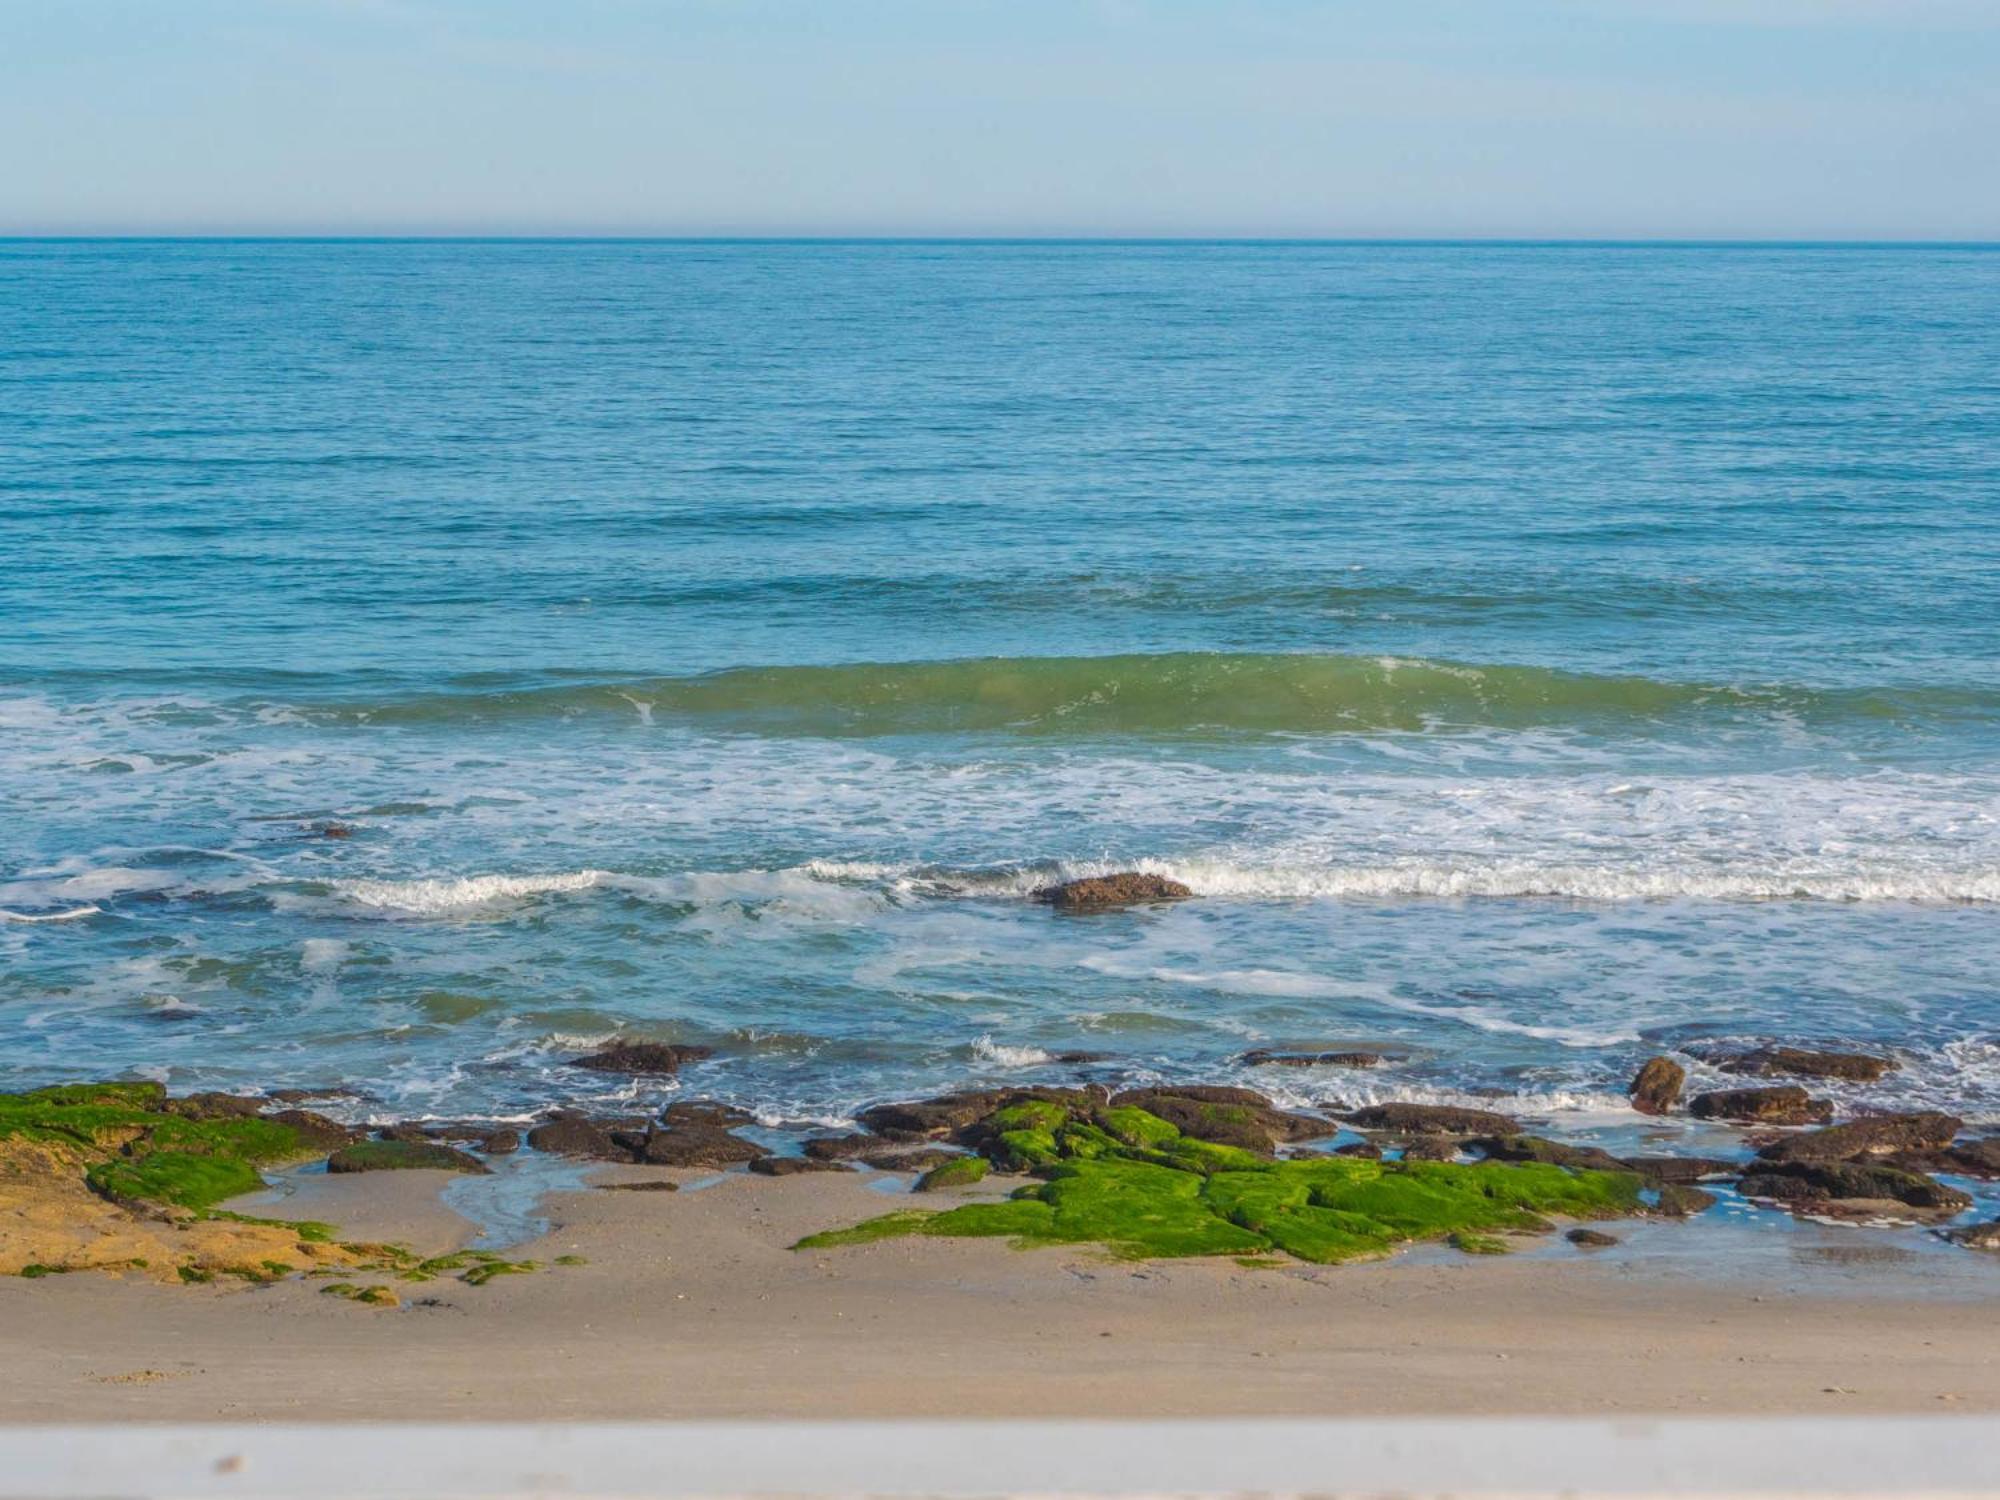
(619,237)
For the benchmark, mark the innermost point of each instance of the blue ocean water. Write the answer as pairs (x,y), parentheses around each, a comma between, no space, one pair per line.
(1534,656)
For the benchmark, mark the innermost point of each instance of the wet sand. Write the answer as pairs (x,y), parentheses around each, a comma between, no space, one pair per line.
(691,1306)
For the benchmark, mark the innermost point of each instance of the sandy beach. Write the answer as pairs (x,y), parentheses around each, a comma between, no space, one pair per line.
(691,1305)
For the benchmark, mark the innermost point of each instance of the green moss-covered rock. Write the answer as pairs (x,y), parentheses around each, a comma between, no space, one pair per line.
(402,1156)
(962,1171)
(1136,1184)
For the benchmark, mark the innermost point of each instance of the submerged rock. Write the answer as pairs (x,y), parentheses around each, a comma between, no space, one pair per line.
(642,1058)
(1657,1087)
(1681,1202)
(1432,1119)
(1785,1105)
(402,1156)
(1876,1135)
(1100,892)
(1804,1062)
(1976,1236)
(1266,1059)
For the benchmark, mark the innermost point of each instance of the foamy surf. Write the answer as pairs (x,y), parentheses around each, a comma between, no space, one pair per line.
(73,914)
(441,895)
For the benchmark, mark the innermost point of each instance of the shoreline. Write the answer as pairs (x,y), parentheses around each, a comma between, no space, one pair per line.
(691,1305)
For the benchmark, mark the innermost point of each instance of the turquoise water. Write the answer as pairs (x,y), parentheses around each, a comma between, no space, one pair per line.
(1535,656)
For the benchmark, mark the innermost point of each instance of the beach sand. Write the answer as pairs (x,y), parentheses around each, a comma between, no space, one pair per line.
(691,1305)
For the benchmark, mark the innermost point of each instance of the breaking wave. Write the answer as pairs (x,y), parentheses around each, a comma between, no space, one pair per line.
(1163,694)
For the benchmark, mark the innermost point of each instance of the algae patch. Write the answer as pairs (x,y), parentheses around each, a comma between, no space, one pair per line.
(1135,1184)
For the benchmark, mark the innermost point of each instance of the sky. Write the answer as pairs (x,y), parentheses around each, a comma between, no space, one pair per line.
(1842,119)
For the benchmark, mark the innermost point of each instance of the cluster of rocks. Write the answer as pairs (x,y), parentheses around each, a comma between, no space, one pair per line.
(1874,1166)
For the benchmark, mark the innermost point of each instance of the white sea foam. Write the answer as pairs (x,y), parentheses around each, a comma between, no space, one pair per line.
(1228,879)
(50,916)
(986,1050)
(438,895)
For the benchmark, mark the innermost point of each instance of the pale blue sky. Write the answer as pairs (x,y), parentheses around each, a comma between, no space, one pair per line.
(1751,118)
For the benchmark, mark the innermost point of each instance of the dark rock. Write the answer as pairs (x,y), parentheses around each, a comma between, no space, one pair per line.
(1367,1150)
(1263,1059)
(1681,1202)
(1979,1158)
(1680,1169)
(1785,1105)
(1431,1148)
(1081,1057)
(1591,1239)
(413,1134)
(318,1131)
(1976,1236)
(213,1106)
(792,1166)
(334,830)
(1876,1135)
(402,1156)
(1103,891)
(658,1185)
(502,1142)
(573,1135)
(692,1146)
(1802,1062)
(1432,1119)
(1657,1087)
(641,1058)
(840,1147)
(706,1114)
(1824,1181)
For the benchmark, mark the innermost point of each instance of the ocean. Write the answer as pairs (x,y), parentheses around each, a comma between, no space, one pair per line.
(1535,657)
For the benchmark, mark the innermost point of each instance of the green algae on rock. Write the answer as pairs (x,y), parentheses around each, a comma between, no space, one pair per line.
(1131,1182)
(960,1171)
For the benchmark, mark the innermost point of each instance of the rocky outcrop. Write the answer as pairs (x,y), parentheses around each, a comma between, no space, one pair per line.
(1431,1119)
(1657,1087)
(1785,1105)
(962,1171)
(1102,892)
(1976,1236)
(1812,1182)
(1591,1239)
(1875,1135)
(1804,1062)
(640,1059)
(1979,1158)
